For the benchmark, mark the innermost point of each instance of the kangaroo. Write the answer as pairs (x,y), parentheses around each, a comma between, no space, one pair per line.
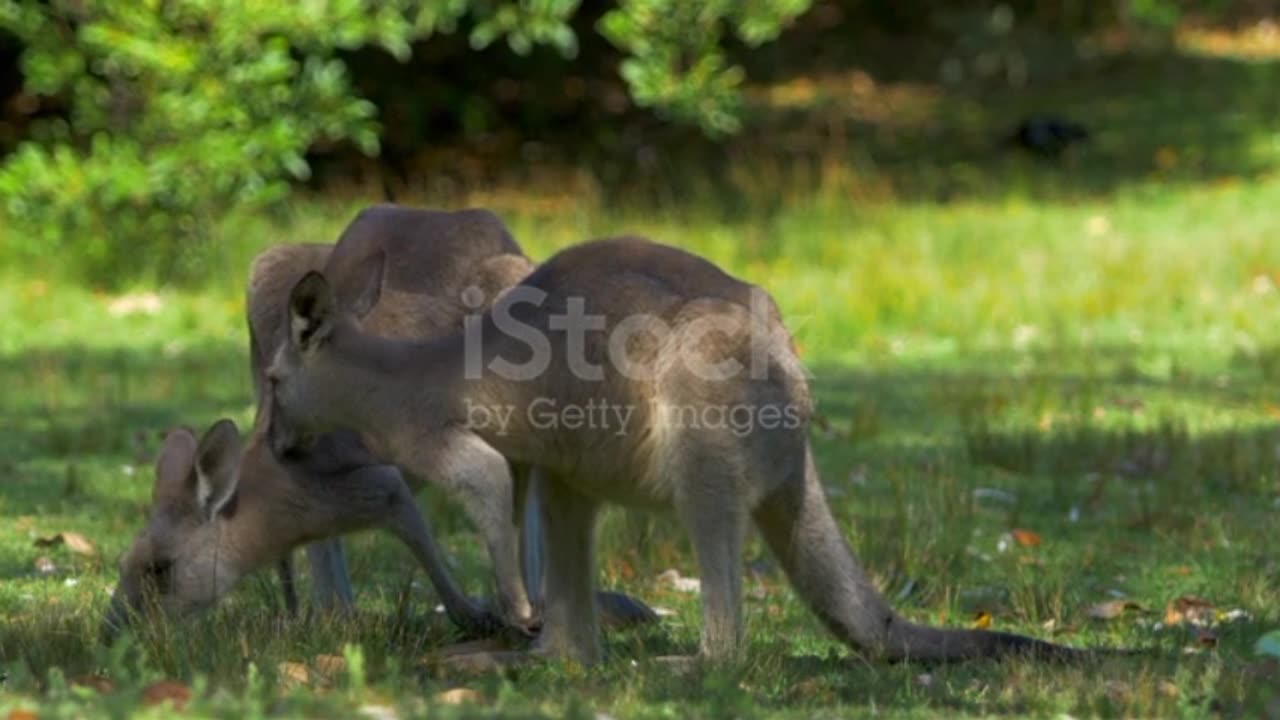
(439,258)
(627,372)
(207,528)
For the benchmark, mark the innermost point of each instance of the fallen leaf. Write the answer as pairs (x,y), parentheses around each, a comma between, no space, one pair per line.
(23,714)
(1189,609)
(94,682)
(683,584)
(378,712)
(459,696)
(75,542)
(982,620)
(330,667)
(1026,538)
(1112,609)
(293,674)
(146,303)
(169,691)
(1053,628)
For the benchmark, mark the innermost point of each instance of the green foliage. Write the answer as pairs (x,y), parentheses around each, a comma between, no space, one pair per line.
(676,59)
(178,111)
(182,110)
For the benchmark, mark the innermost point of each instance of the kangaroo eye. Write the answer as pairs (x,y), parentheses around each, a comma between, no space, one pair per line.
(160,575)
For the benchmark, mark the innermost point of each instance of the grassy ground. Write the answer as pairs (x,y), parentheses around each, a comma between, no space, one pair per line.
(1043,386)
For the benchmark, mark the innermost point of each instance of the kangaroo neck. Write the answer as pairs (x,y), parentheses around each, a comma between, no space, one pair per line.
(403,386)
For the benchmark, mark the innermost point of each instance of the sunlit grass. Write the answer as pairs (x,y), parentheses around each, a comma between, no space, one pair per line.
(1083,351)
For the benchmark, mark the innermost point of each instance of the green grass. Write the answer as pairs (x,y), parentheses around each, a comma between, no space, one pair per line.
(1100,349)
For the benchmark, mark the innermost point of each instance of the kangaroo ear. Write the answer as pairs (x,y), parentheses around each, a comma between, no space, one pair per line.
(364,287)
(173,466)
(311,311)
(217,467)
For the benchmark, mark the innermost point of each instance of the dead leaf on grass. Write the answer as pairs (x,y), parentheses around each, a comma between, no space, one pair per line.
(330,667)
(23,714)
(1189,609)
(167,691)
(1112,609)
(94,682)
(459,696)
(293,674)
(982,620)
(673,578)
(75,542)
(1026,538)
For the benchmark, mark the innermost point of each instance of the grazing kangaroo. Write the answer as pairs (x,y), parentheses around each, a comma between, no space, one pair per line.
(627,372)
(437,257)
(208,528)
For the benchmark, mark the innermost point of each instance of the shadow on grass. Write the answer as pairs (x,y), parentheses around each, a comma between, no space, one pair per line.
(929,437)
(1172,115)
(81,400)
(855,113)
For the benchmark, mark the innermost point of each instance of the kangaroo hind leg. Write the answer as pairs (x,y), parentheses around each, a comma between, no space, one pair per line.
(712,507)
(571,626)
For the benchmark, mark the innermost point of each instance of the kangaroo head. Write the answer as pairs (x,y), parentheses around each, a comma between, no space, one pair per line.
(304,378)
(177,564)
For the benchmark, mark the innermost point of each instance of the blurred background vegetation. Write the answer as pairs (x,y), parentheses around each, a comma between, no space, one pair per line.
(1082,329)
(129,130)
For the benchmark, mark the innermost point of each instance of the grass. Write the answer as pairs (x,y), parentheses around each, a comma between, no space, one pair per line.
(1084,356)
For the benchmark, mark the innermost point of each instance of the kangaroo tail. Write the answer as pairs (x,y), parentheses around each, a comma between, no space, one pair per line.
(798,527)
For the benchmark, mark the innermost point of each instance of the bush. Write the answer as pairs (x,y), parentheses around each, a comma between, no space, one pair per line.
(184,109)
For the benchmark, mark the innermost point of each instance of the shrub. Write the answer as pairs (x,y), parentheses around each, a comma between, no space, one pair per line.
(180,110)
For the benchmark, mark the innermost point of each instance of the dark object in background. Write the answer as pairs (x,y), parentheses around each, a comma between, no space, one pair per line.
(1047,136)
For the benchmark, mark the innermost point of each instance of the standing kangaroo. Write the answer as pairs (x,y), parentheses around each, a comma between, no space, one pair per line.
(437,258)
(627,372)
(219,513)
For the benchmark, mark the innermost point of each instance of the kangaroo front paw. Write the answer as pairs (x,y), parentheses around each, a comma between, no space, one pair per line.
(476,621)
(527,625)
